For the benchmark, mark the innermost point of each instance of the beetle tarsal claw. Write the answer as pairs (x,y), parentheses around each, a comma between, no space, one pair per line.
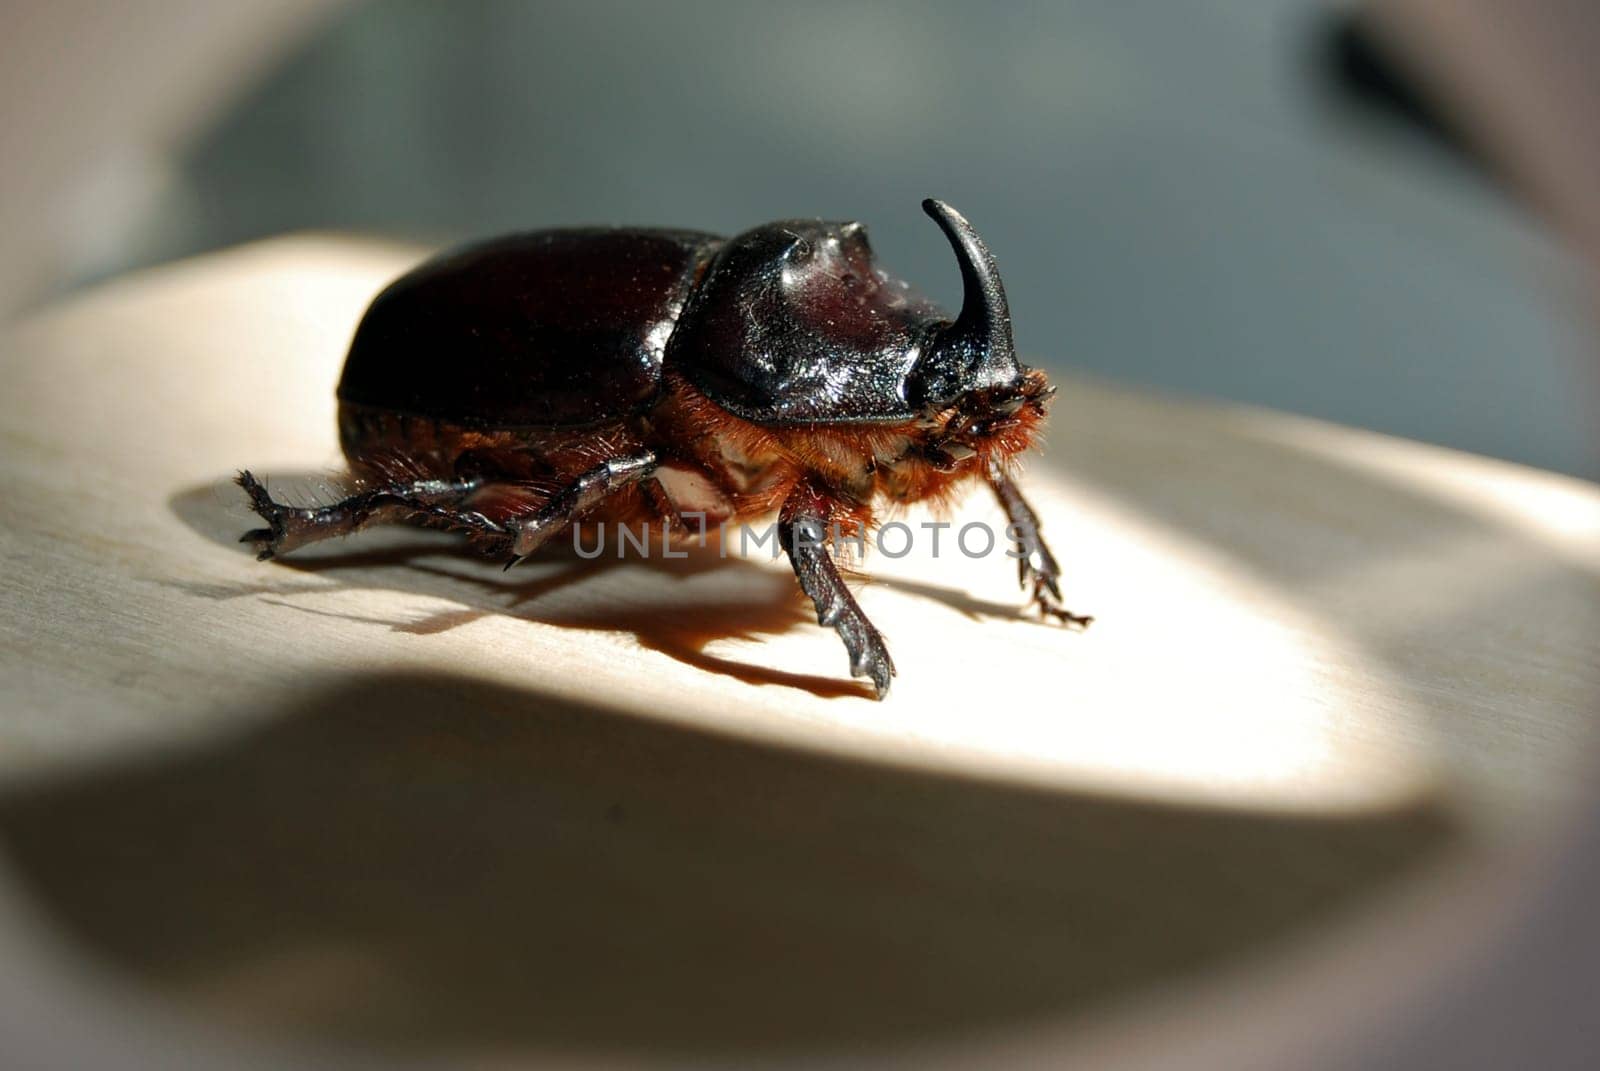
(873,661)
(269,540)
(1065,616)
(263,542)
(1047,599)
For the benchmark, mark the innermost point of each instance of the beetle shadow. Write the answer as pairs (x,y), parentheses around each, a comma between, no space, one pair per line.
(962,602)
(758,603)
(428,861)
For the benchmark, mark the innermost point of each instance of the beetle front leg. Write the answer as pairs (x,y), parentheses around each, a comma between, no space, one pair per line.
(1036,566)
(576,499)
(802,529)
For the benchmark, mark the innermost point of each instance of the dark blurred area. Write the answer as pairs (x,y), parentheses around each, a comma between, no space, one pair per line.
(1376,75)
(1252,201)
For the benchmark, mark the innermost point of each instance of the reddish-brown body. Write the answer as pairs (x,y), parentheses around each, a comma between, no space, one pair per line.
(713,465)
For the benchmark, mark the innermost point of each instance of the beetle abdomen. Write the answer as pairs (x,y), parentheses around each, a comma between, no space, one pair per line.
(555,328)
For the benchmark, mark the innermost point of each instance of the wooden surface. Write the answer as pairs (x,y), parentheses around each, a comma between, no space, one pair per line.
(386,792)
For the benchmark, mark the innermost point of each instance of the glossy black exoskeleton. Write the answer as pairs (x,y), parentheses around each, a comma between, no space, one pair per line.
(516,387)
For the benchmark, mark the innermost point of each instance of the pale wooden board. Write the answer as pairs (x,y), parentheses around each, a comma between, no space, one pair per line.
(1319,655)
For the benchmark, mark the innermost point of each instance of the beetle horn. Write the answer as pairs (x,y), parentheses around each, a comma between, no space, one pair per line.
(976,350)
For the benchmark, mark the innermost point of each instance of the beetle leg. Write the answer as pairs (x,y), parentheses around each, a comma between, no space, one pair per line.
(802,530)
(421,501)
(1036,566)
(576,499)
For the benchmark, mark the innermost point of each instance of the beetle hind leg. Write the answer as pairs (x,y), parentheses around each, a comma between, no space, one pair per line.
(430,503)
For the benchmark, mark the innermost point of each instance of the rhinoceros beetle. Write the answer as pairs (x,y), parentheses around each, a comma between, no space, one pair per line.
(512,388)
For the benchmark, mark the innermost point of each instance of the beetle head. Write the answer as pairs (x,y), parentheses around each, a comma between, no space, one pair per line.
(974,356)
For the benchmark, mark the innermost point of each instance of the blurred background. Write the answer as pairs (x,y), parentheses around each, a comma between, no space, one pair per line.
(1206,198)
